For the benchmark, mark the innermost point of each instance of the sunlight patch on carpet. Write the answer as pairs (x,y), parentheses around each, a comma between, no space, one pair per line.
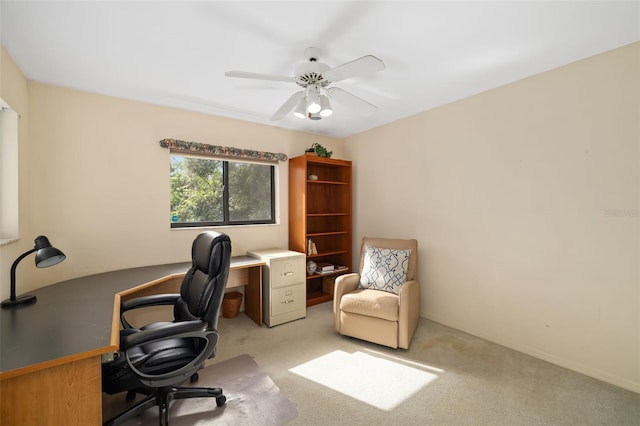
(379,382)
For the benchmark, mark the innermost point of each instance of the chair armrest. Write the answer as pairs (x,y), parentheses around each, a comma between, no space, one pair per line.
(153,300)
(178,330)
(170,330)
(145,301)
(344,284)
(409,312)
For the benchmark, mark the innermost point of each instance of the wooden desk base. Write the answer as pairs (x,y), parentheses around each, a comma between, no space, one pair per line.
(67,394)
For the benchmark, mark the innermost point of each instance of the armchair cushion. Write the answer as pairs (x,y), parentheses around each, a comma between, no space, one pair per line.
(384,269)
(374,303)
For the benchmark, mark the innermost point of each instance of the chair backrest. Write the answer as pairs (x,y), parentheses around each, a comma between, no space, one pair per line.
(391,243)
(204,284)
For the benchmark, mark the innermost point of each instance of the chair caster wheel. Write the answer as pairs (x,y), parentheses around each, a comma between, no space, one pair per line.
(131,395)
(194,377)
(221,400)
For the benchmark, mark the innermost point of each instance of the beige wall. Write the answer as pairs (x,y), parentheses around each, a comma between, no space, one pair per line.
(525,202)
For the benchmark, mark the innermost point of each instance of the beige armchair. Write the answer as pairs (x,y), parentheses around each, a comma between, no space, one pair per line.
(377,314)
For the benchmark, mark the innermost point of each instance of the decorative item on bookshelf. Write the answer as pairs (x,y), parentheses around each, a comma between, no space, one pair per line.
(311,247)
(311,267)
(320,150)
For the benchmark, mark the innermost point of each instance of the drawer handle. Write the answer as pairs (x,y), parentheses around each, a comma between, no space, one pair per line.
(286,274)
(287,301)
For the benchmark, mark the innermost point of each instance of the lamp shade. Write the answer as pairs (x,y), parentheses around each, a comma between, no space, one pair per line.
(48,257)
(46,254)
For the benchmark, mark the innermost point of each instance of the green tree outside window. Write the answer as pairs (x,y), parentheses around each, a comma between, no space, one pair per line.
(209,192)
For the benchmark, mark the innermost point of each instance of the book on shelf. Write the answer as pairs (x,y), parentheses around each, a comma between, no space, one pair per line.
(325,267)
(333,271)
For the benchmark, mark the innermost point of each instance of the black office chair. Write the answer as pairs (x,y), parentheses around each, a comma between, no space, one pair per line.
(154,359)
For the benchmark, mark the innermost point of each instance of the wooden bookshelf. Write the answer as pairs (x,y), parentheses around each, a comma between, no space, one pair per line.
(320,210)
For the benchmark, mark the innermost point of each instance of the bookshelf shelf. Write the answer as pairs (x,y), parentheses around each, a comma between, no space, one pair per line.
(320,234)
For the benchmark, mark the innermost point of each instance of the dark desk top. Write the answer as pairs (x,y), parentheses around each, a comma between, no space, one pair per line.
(70,317)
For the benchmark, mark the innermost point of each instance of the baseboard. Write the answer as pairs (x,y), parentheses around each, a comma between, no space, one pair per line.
(559,361)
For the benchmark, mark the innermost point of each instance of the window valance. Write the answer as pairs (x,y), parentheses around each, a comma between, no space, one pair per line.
(221,151)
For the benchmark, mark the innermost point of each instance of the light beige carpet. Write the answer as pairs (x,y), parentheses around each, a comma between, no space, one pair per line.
(252,399)
(446,378)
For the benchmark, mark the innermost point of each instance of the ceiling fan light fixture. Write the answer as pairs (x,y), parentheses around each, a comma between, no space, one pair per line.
(325,106)
(300,110)
(313,107)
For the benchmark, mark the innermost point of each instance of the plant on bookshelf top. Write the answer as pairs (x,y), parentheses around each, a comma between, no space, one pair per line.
(320,150)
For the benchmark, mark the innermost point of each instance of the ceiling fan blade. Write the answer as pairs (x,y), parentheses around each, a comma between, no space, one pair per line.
(365,65)
(352,101)
(287,106)
(258,76)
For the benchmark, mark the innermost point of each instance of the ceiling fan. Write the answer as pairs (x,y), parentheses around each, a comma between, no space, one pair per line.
(315,77)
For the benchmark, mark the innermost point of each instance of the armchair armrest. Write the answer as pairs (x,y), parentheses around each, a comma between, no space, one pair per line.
(146,301)
(344,284)
(409,312)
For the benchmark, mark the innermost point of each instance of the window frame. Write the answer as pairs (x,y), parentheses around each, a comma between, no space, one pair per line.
(225,194)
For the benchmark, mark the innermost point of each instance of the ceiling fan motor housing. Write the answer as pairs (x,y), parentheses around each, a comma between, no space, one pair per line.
(310,74)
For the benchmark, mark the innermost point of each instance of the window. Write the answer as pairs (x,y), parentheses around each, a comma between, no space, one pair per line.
(213,192)
(8,174)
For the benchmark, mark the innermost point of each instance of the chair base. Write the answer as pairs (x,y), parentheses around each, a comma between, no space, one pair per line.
(162,397)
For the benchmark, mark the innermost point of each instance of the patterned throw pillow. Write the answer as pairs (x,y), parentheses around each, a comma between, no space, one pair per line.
(384,269)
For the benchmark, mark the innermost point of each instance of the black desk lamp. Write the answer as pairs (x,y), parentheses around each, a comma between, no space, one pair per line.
(46,256)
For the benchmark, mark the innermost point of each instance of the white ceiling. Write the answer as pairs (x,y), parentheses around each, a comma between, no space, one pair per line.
(175,53)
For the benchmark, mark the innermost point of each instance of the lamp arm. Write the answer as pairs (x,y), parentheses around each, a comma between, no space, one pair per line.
(13,272)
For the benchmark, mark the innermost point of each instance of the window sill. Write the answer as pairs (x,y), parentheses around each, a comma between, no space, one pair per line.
(5,241)
(217,227)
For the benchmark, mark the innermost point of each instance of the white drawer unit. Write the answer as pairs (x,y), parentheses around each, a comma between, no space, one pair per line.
(288,300)
(284,291)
